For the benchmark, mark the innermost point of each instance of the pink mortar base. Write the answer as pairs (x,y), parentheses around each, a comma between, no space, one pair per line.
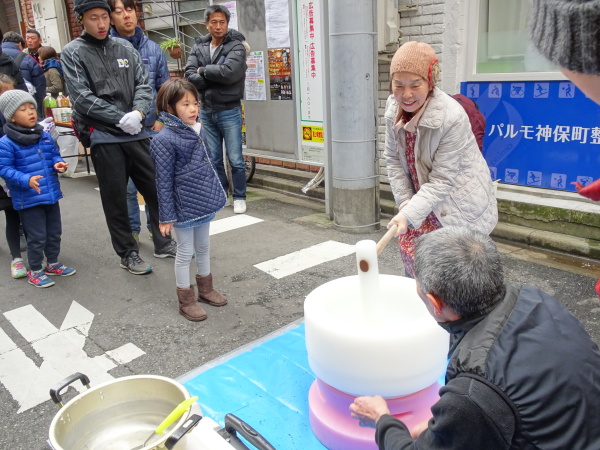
(336,429)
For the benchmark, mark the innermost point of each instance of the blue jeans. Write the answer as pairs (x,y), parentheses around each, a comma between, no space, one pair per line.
(226,126)
(44,228)
(133,208)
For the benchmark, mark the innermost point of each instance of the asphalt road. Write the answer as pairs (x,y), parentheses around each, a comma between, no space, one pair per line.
(142,310)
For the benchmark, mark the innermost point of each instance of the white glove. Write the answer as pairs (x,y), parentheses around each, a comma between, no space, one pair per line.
(48,125)
(131,123)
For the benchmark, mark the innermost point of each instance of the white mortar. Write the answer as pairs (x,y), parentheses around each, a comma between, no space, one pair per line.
(388,345)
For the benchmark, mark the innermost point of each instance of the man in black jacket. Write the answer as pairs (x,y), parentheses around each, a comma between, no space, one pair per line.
(108,87)
(522,371)
(8,67)
(217,67)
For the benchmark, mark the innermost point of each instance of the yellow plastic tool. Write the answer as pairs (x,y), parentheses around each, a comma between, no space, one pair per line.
(175,414)
(172,417)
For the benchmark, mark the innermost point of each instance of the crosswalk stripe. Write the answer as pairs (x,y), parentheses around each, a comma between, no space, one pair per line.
(231,223)
(30,323)
(306,258)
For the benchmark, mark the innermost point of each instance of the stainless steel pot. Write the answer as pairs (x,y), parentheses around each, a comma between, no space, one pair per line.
(119,414)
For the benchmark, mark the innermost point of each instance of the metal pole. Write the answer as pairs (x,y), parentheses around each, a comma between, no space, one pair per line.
(327,115)
(352,124)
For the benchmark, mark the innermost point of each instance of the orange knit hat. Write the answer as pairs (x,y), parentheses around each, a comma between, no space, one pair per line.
(419,58)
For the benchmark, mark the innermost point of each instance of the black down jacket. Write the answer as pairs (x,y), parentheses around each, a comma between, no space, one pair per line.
(221,81)
(8,67)
(187,184)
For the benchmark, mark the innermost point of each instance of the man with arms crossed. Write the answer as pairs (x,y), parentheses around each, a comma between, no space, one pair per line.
(217,67)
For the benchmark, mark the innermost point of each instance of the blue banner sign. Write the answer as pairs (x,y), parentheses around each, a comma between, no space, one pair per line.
(538,133)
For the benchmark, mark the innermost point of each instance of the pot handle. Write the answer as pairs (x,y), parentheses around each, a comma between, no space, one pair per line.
(182,431)
(55,391)
(234,423)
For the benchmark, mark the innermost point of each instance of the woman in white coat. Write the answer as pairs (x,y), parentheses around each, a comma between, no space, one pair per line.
(436,171)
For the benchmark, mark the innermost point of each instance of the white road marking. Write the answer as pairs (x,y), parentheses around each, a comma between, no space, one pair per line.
(304,259)
(125,354)
(231,223)
(30,323)
(62,353)
(78,317)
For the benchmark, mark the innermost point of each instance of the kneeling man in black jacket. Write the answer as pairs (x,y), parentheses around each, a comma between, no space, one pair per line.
(522,372)
(108,87)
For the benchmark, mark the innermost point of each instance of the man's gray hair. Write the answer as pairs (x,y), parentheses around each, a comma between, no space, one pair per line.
(462,267)
(13,36)
(216,9)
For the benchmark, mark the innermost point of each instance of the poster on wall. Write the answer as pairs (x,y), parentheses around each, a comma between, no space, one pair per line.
(310,80)
(232,7)
(255,77)
(277,23)
(538,133)
(280,73)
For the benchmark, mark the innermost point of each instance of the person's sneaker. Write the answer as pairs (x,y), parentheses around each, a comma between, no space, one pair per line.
(168,251)
(136,236)
(17,268)
(239,206)
(135,264)
(59,269)
(39,279)
(227,202)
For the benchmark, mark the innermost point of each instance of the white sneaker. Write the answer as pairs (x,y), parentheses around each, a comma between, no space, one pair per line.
(239,206)
(17,268)
(227,202)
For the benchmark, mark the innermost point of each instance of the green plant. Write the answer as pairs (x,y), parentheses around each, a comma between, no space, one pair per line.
(168,43)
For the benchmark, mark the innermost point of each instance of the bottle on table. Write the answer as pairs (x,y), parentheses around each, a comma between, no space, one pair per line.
(63,101)
(49,103)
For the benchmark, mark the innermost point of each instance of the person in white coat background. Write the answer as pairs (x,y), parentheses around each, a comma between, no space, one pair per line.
(436,171)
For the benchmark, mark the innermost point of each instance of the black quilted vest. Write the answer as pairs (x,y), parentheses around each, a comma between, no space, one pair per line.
(538,356)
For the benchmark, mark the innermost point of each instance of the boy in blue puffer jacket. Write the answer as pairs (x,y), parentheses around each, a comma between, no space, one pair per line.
(29,162)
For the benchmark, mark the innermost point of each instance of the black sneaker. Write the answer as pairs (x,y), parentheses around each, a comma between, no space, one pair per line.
(135,264)
(168,251)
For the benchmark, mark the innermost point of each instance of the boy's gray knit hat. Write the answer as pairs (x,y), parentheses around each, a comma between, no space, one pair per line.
(11,100)
(567,32)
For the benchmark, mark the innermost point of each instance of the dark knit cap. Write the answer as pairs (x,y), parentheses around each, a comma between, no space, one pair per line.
(567,32)
(82,6)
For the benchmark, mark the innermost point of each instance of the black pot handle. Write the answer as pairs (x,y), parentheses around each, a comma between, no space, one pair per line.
(190,423)
(234,423)
(55,391)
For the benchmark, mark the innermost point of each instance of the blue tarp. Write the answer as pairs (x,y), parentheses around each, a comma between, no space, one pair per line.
(266,385)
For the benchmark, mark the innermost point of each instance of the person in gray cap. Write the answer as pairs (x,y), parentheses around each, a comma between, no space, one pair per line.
(108,86)
(567,33)
(29,162)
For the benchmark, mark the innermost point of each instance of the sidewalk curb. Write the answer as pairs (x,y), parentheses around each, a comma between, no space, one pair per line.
(292,181)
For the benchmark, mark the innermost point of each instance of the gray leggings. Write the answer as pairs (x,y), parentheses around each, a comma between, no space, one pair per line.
(190,240)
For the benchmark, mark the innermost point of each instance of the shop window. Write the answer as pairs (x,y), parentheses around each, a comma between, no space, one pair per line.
(503,44)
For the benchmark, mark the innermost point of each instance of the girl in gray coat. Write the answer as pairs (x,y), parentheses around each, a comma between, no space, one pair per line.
(436,171)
